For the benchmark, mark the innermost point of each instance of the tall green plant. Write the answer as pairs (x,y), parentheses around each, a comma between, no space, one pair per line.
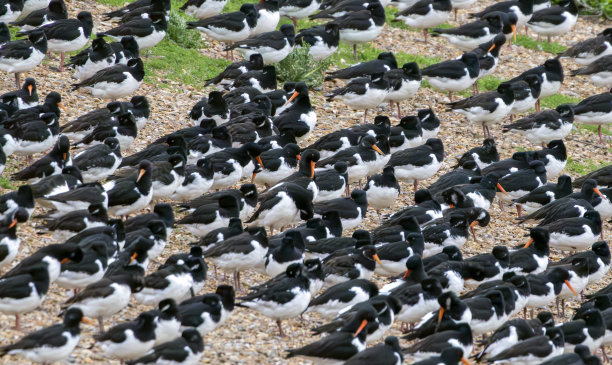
(300,66)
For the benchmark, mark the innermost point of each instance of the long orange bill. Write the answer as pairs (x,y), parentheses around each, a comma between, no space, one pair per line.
(502,189)
(295,94)
(375,257)
(375,148)
(61,106)
(528,243)
(513,32)
(491,48)
(464,361)
(134,256)
(312,168)
(406,273)
(64,260)
(598,192)
(13,223)
(363,324)
(259,161)
(298,157)
(473,224)
(570,287)
(140,173)
(440,314)
(64,155)
(30,88)
(87,321)
(451,206)
(253,177)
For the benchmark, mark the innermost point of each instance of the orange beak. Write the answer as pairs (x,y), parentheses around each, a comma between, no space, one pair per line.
(528,243)
(295,94)
(87,321)
(312,168)
(64,260)
(13,223)
(61,106)
(513,31)
(570,287)
(298,157)
(375,148)
(259,161)
(64,155)
(142,172)
(502,189)
(491,48)
(375,257)
(30,88)
(440,314)
(406,273)
(596,190)
(473,224)
(253,177)
(451,205)
(464,361)
(133,257)
(361,327)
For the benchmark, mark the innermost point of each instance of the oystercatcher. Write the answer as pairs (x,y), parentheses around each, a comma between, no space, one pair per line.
(273,46)
(26,97)
(24,291)
(537,348)
(595,109)
(343,295)
(56,10)
(186,349)
(298,115)
(114,82)
(362,93)
(23,55)
(521,182)
(543,127)
(551,73)
(129,340)
(323,41)
(352,210)
(404,84)
(591,49)
(470,35)
(554,21)
(50,164)
(454,336)
(545,194)
(453,75)
(385,61)
(131,193)
(483,155)
(523,9)
(91,60)
(203,9)
(418,163)
(388,353)
(229,27)
(533,257)
(297,9)
(361,26)
(426,14)
(147,32)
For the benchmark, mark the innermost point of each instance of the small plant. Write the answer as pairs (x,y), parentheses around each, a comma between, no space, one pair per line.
(179,34)
(300,66)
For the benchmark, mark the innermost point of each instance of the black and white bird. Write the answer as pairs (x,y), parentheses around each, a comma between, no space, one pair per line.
(543,195)
(285,299)
(521,182)
(129,340)
(418,163)
(404,83)
(56,10)
(554,21)
(132,193)
(50,164)
(595,109)
(50,344)
(229,27)
(543,127)
(487,108)
(66,35)
(203,9)
(591,49)
(343,295)
(26,97)
(453,75)
(215,107)
(323,41)
(91,60)
(551,73)
(361,26)
(533,257)
(147,32)
(351,210)
(483,155)
(99,161)
(470,35)
(187,349)
(297,9)
(522,9)
(384,62)
(426,14)
(283,206)
(11,10)
(231,72)
(598,71)
(273,46)
(537,348)
(114,82)
(211,216)
(382,189)
(23,55)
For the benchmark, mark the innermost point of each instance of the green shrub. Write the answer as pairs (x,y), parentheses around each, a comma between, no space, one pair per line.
(300,66)
(179,34)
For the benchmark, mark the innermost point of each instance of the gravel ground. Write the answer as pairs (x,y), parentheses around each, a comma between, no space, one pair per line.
(248,337)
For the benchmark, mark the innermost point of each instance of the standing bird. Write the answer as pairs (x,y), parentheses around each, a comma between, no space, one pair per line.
(362,93)
(187,349)
(50,344)
(93,59)
(418,163)
(589,50)
(203,9)
(361,26)
(543,127)
(554,21)
(598,72)
(453,75)
(147,32)
(66,35)
(426,14)
(114,82)
(273,46)
(23,55)
(387,353)
(596,109)
(551,73)
(55,11)
(403,83)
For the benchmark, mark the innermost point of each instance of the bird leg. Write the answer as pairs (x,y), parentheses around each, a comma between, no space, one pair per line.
(365,116)
(519,208)
(416,185)
(425,31)
(294,20)
(280,328)
(456,13)
(525,312)
(17,323)
(501,205)
(237,281)
(537,105)
(484,130)
(18,79)
(475,86)
(450,96)
(473,233)
(399,112)
(599,133)
(62,57)
(548,39)
(604,355)
(354,50)
(100,324)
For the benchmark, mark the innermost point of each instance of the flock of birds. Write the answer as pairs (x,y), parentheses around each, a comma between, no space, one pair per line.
(288,222)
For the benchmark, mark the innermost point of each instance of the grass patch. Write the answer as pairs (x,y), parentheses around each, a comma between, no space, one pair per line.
(544,46)
(187,66)
(593,129)
(179,34)
(300,66)
(585,167)
(117,3)
(5,183)
(554,101)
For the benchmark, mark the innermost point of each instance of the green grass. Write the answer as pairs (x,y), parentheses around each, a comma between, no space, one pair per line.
(544,46)
(593,129)
(582,168)
(5,183)
(554,101)
(171,61)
